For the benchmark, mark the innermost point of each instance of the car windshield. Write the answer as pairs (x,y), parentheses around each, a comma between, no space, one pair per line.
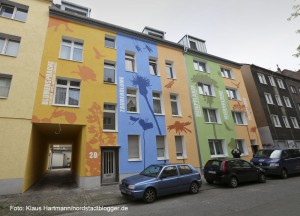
(152,171)
(268,153)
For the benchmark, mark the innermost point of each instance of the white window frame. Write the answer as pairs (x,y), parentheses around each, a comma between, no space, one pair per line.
(204,65)
(280,83)
(275,120)
(201,88)
(177,102)
(223,148)
(293,89)
(286,122)
(110,111)
(110,37)
(130,56)
(295,122)
(137,99)
(153,62)
(166,157)
(269,98)
(160,99)
(278,100)
(229,93)
(15,9)
(262,78)
(226,73)
(139,158)
(3,51)
(7,77)
(68,86)
(244,146)
(170,65)
(110,65)
(206,110)
(287,102)
(243,116)
(72,46)
(272,81)
(184,155)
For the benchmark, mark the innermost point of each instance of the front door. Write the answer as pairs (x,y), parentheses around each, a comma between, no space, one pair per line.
(108,166)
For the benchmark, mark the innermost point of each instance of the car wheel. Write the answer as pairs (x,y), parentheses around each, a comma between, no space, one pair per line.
(209,181)
(233,182)
(194,188)
(284,174)
(149,195)
(262,178)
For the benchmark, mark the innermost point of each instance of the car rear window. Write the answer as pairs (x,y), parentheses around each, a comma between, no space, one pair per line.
(184,169)
(216,165)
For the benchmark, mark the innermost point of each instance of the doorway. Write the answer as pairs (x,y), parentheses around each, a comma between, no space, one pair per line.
(110,165)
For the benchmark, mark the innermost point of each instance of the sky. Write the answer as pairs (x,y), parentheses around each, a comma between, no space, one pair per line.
(245,31)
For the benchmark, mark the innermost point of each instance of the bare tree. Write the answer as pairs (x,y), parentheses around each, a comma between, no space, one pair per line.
(294,15)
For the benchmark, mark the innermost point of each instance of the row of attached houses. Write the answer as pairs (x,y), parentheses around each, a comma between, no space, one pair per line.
(122,99)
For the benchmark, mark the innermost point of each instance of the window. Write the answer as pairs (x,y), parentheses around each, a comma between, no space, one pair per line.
(134,148)
(161,147)
(169,172)
(216,148)
(280,84)
(272,81)
(132,101)
(206,89)
(226,73)
(293,89)
(14,11)
(67,92)
(5,80)
(110,41)
(241,146)
(200,66)
(287,102)
(109,118)
(278,100)
(71,50)
(239,118)
(184,169)
(180,147)
(295,122)
(262,78)
(193,45)
(275,120)
(175,104)
(232,94)
(109,72)
(129,62)
(74,8)
(210,115)
(157,104)
(153,66)
(269,98)
(170,71)
(9,44)
(286,122)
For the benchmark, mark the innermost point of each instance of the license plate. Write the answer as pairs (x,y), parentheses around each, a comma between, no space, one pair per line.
(212,172)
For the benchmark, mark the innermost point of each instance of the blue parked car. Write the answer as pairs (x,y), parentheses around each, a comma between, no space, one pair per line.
(162,179)
(280,162)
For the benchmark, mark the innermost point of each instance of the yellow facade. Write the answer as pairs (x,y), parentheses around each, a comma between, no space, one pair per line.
(244,132)
(180,125)
(94,93)
(16,110)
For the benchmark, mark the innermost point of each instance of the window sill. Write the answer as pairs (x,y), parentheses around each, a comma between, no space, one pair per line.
(162,159)
(130,71)
(208,95)
(159,114)
(181,158)
(110,83)
(228,78)
(114,48)
(218,123)
(133,112)
(70,60)
(21,21)
(202,71)
(172,78)
(109,131)
(241,124)
(134,160)
(8,55)
(177,116)
(158,75)
(61,105)
(244,155)
(216,156)
(2,97)
(234,99)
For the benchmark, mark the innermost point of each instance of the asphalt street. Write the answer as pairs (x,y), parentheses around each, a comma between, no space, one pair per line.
(277,197)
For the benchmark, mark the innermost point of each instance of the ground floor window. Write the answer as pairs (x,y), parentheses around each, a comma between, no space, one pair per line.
(134,152)
(216,148)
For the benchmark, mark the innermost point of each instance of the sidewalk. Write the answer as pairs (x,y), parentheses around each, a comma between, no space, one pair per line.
(63,194)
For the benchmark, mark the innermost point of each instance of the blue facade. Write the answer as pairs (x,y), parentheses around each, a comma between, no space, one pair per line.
(143,123)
